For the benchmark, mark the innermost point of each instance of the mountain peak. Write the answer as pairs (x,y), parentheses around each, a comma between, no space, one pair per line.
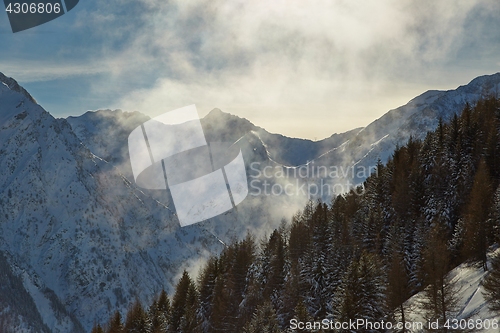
(487,77)
(13,85)
(216,116)
(490,84)
(216,111)
(219,114)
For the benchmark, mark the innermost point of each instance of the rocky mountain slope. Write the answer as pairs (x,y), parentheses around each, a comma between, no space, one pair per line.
(80,237)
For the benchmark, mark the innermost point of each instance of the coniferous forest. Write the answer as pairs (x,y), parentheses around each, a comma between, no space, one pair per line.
(433,206)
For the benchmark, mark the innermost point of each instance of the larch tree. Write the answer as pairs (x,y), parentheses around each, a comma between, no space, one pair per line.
(477,222)
(440,295)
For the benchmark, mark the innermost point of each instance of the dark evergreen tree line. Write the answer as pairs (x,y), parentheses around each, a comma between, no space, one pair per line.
(434,205)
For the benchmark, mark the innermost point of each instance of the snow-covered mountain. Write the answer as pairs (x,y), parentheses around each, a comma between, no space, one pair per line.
(323,168)
(80,238)
(77,237)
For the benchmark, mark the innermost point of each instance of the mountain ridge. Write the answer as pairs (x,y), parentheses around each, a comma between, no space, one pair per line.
(71,215)
(79,235)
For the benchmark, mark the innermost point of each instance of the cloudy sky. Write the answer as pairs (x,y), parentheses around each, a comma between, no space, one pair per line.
(301,68)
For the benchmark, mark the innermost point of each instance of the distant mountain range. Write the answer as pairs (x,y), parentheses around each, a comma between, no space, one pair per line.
(78,238)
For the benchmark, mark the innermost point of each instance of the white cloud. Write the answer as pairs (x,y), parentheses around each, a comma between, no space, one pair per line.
(296,60)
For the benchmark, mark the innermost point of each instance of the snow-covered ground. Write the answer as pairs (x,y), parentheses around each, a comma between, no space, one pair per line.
(471,305)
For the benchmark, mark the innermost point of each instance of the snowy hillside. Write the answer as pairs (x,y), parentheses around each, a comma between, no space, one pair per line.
(79,235)
(471,303)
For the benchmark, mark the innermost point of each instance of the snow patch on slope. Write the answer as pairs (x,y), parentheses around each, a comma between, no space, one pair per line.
(471,302)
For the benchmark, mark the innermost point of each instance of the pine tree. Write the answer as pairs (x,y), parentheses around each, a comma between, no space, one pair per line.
(206,287)
(162,312)
(495,216)
(220,315)
(318,270)
(299,239)
(398,288)
(228,312)
(301,313)
(274,253)
(263,321)
(362,293)
(159,312)
(137,319)
(97,329)
(115,324)
(267,278)
(253,293)
(189,321)
(291,295)
(183,303)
